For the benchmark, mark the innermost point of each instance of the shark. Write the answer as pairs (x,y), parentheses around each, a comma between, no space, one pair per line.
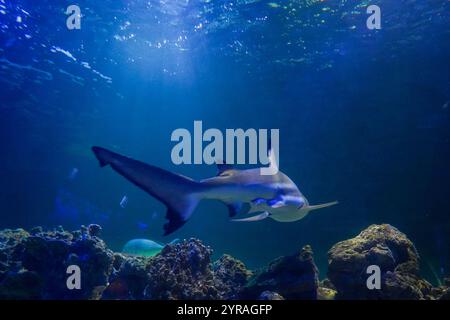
(244,192)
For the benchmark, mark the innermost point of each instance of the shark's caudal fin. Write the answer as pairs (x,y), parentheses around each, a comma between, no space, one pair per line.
(320,206)
(180,194)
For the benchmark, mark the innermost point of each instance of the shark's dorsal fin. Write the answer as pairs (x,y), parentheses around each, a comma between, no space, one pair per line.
(271,154)
(272,160)
(223,167)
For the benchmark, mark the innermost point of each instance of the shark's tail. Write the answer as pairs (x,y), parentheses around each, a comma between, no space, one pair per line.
(320,206)
(180,194)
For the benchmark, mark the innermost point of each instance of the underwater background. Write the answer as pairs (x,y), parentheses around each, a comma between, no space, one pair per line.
(363,115)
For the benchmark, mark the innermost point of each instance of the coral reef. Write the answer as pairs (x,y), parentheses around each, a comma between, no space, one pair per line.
(383,246)
(326,290)
(182,271)
(128,279)
(293,277)
(444,291)
(33,265)
(94,230)
(269,295)
(232,276)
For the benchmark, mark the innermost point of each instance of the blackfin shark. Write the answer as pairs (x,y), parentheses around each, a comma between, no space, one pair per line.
(268,196)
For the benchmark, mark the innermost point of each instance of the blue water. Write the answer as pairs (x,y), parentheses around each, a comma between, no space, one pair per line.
(363,115)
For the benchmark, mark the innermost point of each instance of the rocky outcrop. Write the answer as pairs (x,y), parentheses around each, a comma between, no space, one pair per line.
(326,290)
(35,265)
(385,247)
(269,295)
(293,277)
(231,275)
(129,278)
(182,271)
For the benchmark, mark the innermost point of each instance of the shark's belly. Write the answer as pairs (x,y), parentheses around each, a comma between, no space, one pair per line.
(289,212)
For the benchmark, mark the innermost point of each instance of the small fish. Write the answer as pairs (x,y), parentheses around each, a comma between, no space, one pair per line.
(124,202)
(273,196)
(143,247)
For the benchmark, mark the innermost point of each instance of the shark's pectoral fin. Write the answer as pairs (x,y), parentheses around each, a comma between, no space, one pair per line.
(258,217)
(236,208)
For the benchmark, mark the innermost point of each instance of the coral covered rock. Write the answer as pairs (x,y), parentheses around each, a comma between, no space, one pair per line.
(445,295)
(293,277)
(129,279)
(10,238)
(24,285)
(324,293)
(231,276)
(35,265)
(94,230)
(182,271)
(385,247)
(269,295)
(326,290)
